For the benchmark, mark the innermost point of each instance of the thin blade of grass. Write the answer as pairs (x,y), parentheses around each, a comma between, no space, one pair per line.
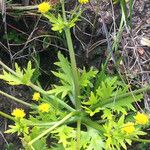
(131,13)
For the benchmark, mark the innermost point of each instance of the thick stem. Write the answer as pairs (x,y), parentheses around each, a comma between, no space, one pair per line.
(73,60)
(51,97)
(92,124)
(74,68)
(52,128)
(6,116)
(48,124)
(74,73)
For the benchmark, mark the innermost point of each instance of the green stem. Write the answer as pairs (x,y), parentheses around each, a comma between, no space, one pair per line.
(74,72)
(124,10)
(117,98)
(92,124)
(118,36)
(7,68)
(141,140)
(78,134)
(52,128)
(131,13)
(6,116)
(51,96)
(16,99)
(74,68)
(69,121)
(73,60)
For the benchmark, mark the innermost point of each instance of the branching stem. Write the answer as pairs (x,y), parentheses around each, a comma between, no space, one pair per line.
(74,73)
(52,128)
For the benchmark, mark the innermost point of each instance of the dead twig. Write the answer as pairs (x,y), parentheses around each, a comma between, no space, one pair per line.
(22,8)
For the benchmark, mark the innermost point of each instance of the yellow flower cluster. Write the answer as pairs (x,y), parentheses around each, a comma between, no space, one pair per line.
(18,113)
(83,1)
(44,7)
(128,128)
(141,118)
(45,107)
(36,96)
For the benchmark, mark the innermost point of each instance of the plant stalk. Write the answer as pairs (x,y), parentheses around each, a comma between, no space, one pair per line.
(141,140)
(52,128)
(74,73)
(7,68)
(74,68)
(51,97)
(17,100)
(92,124)
(73,60)
(6,116)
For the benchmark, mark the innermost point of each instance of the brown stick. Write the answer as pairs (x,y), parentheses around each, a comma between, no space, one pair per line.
(22,8)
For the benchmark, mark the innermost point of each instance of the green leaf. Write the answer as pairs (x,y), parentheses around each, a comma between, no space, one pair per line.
(128,141)
(64,65)
(62,76)
(140,133)
(96,142)
(57,146)
(107,114)
(93,99)
(18,127)
(121,120)
(106,95)
(37,145)
(85,77)
(65,134)
(123,144)
(27,73)
(58,23)
(41,143)
(22,77)
(65,76)
(91,112)
(64,90)
(18,70)
(124,104)
(10,78)
(10,146)
(107,88)
(37,71)
(12,129)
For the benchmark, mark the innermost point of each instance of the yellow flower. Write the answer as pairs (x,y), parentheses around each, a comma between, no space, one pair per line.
(44,7)
(18,113)
(141,118)
(44,107)
(36,96)
(128,128)
(83,1)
